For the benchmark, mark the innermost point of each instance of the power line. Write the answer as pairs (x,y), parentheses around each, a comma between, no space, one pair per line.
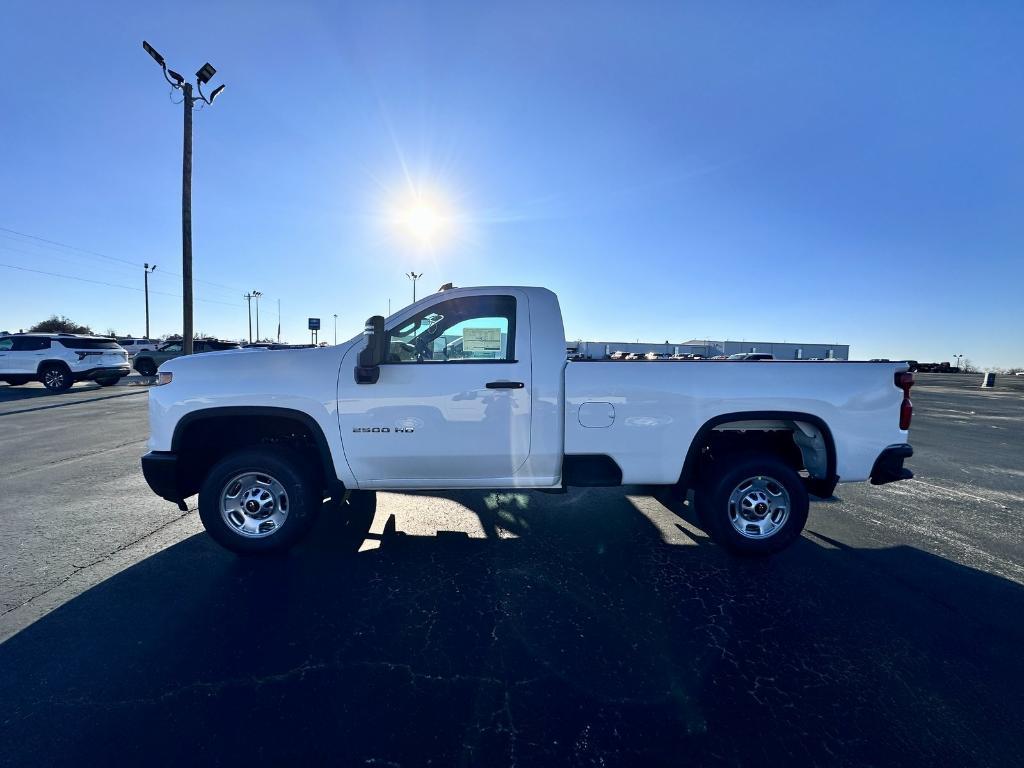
(133,264)
(70,247)
(111,285)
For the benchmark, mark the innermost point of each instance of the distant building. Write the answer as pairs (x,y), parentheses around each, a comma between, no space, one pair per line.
(784,350)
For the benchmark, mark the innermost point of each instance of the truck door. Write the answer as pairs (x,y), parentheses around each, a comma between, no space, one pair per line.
(452,405)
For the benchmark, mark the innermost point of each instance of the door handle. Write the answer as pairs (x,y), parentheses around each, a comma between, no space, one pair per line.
(505,385)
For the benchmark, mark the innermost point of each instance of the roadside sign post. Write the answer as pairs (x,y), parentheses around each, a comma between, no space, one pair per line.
(314,329)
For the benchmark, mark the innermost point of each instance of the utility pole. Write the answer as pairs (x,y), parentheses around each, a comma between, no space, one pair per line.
(278,321)
(248,299)
(335,329)
(145,279)
(188,100)
(256,295)
(414,277)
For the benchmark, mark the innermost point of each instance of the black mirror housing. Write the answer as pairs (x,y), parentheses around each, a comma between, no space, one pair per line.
(372,355)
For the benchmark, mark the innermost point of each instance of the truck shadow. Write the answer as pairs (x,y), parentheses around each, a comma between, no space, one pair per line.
(579,631)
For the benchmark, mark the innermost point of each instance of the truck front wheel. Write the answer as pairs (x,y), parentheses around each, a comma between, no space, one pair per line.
(752,505)
(259,501)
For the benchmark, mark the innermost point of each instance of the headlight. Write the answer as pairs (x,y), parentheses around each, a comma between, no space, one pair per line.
(163,377)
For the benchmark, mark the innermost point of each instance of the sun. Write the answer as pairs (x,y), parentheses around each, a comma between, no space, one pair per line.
(424,218)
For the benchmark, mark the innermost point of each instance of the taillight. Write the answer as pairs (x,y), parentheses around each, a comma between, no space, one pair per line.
(905,381)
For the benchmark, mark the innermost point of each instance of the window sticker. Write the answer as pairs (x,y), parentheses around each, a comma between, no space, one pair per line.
(481,340)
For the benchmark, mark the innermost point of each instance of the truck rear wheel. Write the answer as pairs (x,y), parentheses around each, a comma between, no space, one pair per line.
(259,501)
(145,367)
(753,504)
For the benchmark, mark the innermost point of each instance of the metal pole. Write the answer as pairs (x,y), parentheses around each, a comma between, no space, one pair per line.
(186,225)
(278,321)
(248,301)
(146,280)
(257,318)
(335,329)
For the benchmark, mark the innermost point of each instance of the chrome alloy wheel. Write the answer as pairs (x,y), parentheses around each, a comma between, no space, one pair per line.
(254,505)
(54,378)
(758,507)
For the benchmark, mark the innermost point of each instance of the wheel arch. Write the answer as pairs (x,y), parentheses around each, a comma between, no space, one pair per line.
(822,480)
(52,361)
(253,425)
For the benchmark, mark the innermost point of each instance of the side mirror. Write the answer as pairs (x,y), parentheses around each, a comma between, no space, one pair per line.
(372,355)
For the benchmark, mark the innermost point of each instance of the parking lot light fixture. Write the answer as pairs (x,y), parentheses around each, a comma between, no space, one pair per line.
(205,73)
(414,277)
(153,52)
(178,82)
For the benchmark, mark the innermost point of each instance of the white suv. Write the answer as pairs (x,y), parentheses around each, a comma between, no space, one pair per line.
(58,360)
(133,346)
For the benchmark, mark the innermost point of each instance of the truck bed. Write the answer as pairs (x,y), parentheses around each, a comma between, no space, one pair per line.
(645,414)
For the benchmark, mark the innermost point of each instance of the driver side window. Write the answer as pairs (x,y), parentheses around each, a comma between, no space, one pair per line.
(469,329)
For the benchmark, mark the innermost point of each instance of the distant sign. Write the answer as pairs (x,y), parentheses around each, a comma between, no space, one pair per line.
(314,323)
(481,340)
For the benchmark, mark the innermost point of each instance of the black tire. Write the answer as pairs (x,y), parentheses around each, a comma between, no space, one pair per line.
(108,381)
(301,491)
(753,477)
(146,366)
(56,377)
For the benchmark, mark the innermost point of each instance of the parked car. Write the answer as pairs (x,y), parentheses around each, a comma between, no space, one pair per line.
(264,438)
(58,360)
(634,356)
(657,356)
(133,345)
(618,356)
(146,363)
(751,356)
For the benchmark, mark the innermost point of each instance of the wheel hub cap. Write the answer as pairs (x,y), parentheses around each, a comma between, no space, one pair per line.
(758,507)
(254,504)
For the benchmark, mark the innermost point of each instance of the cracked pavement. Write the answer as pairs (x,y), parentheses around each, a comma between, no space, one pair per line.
(598,627)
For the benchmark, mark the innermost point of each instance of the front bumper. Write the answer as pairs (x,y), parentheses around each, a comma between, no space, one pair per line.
(889,467)
(106,372)
(160,468)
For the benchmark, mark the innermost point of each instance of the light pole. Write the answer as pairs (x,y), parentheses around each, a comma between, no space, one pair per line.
(256,295)
(178,82)
(145,279)
(414,277)
(248,300)
(958,358)
(335,329)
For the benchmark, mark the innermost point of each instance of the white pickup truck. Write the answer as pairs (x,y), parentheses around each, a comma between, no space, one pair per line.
(470,388)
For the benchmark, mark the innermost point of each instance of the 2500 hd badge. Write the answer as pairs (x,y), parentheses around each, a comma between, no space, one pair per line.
(396,430)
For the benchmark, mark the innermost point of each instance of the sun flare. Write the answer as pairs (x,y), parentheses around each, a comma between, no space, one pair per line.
(424,218)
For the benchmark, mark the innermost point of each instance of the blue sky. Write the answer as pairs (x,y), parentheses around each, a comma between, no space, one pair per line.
(818,172)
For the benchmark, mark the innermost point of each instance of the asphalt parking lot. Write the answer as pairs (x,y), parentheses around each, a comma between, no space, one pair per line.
(594,628)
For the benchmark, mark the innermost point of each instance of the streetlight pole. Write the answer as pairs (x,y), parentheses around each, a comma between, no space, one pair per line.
(414,277)
(256,295)
(335,329)
(145,279)
(188,101)
(248,300)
